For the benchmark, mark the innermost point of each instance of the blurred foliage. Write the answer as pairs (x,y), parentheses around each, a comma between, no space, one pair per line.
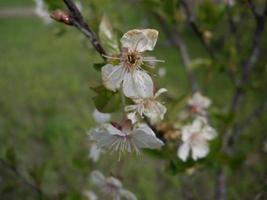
(46,101)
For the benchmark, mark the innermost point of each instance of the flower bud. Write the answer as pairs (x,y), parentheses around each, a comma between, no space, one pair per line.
(61,16)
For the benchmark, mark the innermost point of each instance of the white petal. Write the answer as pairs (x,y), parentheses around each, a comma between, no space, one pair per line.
(183,151)
(186,132)
(200,150)
(133,117)
(90,195)
(209,133)
(116,183)
(101,117)
(106,135)
(112,76)
(140,40)
(137,84)
(127,195)
(144,137)
(160,91)
(98,178)
(94,153)
(156,112)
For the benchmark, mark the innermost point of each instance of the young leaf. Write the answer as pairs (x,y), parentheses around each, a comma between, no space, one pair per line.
(107,101)
(107,37)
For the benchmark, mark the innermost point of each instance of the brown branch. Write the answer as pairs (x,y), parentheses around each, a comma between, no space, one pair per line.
(175,39)
(192,22)
(23,179)
(76,19)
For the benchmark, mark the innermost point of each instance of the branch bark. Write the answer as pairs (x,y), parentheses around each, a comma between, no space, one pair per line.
(175,39)
(23,179)
(192,22)
(77,20)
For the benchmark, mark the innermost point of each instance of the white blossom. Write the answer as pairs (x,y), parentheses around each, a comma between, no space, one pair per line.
(90,195)
(148,107)
(195,137)
(95,152)
(100,117)
(198,104)
(128,73)
(42,11)
(111,187)
(125,139)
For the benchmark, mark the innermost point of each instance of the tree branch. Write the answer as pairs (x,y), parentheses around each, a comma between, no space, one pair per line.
(76,19)
(175,39)
(24,180)
(192,22)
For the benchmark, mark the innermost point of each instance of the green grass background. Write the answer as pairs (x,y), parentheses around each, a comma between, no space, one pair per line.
(45,112)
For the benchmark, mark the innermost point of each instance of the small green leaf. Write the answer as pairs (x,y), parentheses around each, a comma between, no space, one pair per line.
(107,101)
(107,36)
(98,66)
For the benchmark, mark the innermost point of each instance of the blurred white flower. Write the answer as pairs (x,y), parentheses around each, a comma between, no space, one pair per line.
(195,137)
(95,152)
(126,139)
(148,107)
(198,104)
(90,195)
(42,11)
(100,117)
(162,72)
(135,81)
(111,187)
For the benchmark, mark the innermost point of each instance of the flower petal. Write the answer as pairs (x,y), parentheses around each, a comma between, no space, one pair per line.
(160,91)
(209,133)
(155,112)
(127,195)
(112,76)
(98,178)
(140,40)
(137,84)
(200,150)
(183,151)
(144,137)
(94,152)
(101,117)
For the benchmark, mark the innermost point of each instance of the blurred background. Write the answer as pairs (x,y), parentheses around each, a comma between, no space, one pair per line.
(46,71)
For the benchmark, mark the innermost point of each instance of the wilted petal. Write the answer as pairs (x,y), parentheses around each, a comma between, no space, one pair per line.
(101,117)
(137,84)
(144,137)
(133,117)
(140,40)
(127,195)
(200,150)
(183,151)
(112,76)
(160,91)
(156,112)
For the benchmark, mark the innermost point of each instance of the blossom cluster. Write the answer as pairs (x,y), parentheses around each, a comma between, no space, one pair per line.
(195,136)
(125,73)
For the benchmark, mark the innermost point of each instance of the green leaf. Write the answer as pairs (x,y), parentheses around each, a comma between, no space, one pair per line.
(107,36)
(54,4)
(107,101)
(98,66)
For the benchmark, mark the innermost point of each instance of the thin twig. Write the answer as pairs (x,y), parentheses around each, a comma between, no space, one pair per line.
(78,21)
(175,39)
(192,22)
(23,179)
